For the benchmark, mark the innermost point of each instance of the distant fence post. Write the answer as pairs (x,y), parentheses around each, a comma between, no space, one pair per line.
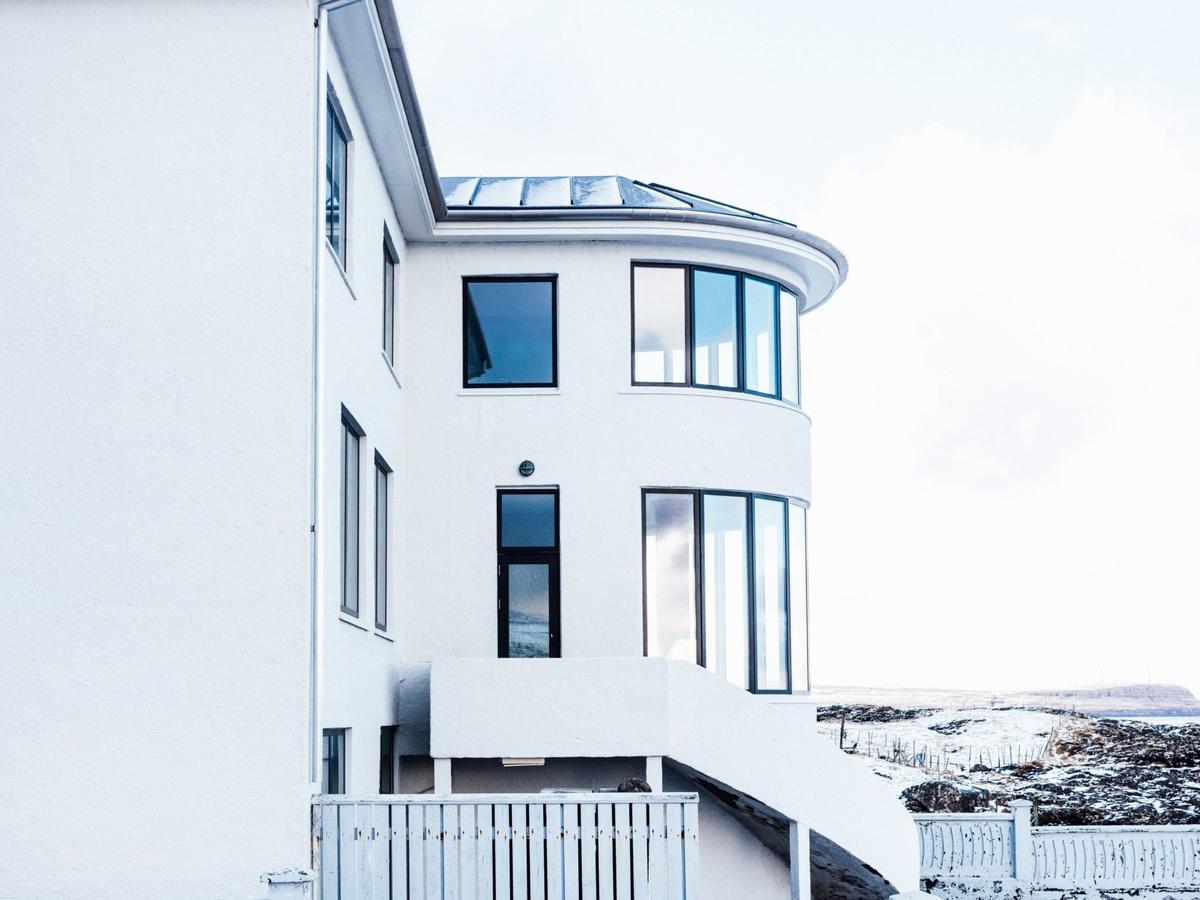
(1022,811)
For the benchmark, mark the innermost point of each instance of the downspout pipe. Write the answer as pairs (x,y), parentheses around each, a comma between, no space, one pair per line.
(321,10)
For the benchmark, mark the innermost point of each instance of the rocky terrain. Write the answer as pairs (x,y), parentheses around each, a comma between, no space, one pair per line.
(1077,769)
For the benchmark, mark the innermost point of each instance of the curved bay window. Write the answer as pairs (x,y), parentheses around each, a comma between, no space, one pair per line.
(709,328)
(724,577)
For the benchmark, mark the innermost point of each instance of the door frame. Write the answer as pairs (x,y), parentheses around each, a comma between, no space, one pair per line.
(548,558)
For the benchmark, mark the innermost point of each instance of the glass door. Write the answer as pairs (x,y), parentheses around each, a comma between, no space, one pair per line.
(527,568)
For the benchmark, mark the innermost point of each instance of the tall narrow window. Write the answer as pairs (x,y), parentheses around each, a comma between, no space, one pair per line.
(527,545)
(351,437)
(726,587)
(758,330)
(715,328)
(333,761)
(389,299)
(509,327)
(336,169)
(771,636)
(789,348)
(382,473)
(389,761)
(798,594)
(670,559)
(659,325)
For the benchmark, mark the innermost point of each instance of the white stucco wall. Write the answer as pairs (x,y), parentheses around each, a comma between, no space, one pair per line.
(595,437)
(360,663)
(154,503)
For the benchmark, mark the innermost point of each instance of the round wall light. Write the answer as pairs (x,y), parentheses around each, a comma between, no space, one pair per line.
(526,467)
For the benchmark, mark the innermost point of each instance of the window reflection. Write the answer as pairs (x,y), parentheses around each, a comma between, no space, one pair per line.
(744,331)
(714,323)
(671,576)
(726,605)
(508,333)
(770,595)
(789,348)
(759,334)
(659,325)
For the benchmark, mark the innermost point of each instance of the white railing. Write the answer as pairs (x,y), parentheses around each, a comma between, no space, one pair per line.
(957,848)
(979,845)
(1129,857)
(519,846)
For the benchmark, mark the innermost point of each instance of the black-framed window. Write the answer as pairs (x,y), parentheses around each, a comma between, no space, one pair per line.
(382,482)
(697,326)
(390,262)
(720,572)
(337,168)
(527,566)
(352,435)
(333,761)
(510,331)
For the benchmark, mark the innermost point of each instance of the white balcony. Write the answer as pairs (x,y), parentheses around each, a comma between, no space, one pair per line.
(758,753)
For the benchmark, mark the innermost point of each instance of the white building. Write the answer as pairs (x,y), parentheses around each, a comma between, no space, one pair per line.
(270,388)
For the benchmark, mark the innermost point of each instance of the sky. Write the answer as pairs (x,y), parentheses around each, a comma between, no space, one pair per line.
(1006,392)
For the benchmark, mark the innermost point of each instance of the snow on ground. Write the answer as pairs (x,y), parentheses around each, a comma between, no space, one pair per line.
(951,738)
(1078,770)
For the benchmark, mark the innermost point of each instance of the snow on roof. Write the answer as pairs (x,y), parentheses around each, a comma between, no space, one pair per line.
(581,191)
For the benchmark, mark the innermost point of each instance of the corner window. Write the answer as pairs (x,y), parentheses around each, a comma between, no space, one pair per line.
(527,564)
(723,579)
(382,476)
(710,328)
(352,435)
(333,761)
(336,181)
(390,262)
(509,332)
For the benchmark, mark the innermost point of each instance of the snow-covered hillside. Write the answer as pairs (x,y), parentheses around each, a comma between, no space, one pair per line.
(1077,769)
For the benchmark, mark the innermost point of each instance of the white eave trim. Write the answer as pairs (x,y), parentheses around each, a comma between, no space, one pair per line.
(817,274)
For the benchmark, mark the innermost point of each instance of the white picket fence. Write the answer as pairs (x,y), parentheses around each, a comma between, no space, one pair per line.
(518,846)
(994,846)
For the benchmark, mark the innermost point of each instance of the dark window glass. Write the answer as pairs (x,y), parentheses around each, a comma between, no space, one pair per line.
(659,325)
(758,329)
(381,543)
(508,333)
(714,329)
(671,576)
(333,761)
(335,185)
(389,301)
(350,466)
(528,519)
(387,760)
